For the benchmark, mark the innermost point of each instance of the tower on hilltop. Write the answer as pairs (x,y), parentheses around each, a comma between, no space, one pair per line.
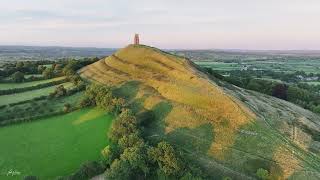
(136,39)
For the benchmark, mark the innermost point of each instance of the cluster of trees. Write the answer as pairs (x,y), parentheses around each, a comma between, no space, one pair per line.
(304,95)
(103,97)
(19,69)
(130,156)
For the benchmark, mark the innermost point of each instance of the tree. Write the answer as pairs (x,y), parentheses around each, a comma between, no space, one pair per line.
(316,109)
(165,156)
(130,140)
(58,92)
(19,65)
(76,79)
(41,68)
(119,170)
(67,107)
(125,124)
(71,68)
(137,158)
(262,173)
(88,170)
(280,91)
(18,76)
(110,153)
(48,73)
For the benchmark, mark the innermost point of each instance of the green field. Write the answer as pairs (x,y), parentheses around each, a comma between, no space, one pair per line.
(14,98)
(54,146)
(314,83)
(34,75)
(4,86)
(40,107)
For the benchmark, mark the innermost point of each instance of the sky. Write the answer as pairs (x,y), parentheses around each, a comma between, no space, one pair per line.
(171,24)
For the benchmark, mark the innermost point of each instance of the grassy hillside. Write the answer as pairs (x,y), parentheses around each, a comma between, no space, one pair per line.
(212,122)
(55,146)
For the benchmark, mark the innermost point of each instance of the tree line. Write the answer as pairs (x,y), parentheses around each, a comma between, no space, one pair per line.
(15,72)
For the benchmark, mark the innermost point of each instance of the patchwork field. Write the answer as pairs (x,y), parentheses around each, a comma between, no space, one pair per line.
(308,66)
(14,98)
(53,146)
(4,86)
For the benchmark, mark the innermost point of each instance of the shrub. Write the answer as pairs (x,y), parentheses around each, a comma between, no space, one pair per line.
(18,77)
(87,171)
(66,108)
(262,173)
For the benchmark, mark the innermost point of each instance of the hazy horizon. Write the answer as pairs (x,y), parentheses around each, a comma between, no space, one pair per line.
(205,24)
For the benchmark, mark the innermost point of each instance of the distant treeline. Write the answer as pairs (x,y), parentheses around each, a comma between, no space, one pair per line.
(15,72)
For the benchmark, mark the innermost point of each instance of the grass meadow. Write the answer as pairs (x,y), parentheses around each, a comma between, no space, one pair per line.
(54,146)
(14,98)
(4,86)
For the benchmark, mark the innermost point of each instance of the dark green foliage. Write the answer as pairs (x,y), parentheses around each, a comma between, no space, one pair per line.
(119,170)
(125,124)
(41,68)
(136,156)
(75,79)
(130,140)
(87,171)
(58,92)
(30,178)
(70,68)
(110,153)
(67,108)
(102,96)
(18,77)
(164,155)
(48,73)
(280,91)
(262,174)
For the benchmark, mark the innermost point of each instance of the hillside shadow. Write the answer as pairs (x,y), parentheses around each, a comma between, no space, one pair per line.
(155,125)
(197,140)
(127,90)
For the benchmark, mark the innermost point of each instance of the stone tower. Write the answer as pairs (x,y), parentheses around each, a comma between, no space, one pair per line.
(136,39)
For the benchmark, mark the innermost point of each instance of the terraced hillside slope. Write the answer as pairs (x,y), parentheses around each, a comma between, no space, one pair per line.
(221,127)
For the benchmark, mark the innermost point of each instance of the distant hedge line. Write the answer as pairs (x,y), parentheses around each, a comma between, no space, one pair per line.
(33,78)
(39,86)
(69,93)
(34,118)
(4,122)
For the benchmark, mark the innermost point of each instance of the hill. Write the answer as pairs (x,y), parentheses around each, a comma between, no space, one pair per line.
(224,129)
